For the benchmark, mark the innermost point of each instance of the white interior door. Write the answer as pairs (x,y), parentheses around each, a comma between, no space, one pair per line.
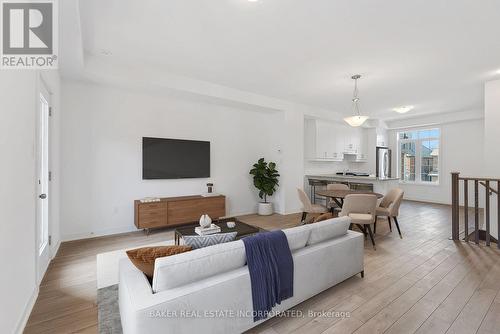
(42,238)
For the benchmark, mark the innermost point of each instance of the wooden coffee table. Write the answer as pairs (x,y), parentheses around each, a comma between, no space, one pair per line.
(241,229)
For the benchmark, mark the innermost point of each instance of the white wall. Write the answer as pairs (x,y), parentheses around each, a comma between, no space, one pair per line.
(292,157)
(17,195)
(19,281)
(461,150)
(102,130)
(492,142)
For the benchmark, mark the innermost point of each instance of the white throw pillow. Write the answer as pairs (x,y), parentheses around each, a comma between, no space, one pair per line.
(297,236)
(328,229)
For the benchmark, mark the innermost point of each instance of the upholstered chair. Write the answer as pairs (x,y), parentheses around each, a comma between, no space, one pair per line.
(361,209)
(335,186)
(389,207)
(308,207)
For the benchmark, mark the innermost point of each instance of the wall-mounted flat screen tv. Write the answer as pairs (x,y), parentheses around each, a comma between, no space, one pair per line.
(175,158)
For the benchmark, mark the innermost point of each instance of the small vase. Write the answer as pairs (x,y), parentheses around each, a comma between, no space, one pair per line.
(205,221)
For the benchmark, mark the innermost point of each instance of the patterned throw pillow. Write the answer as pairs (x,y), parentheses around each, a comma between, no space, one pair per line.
(144,258)
(200,241)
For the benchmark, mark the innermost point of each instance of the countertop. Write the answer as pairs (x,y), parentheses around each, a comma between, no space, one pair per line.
(347,177)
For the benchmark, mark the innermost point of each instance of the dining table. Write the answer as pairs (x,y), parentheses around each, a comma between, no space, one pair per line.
(338,195)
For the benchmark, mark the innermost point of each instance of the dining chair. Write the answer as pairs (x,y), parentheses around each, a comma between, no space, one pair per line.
(335,186)
(389,207)
(361,209)
(308,207)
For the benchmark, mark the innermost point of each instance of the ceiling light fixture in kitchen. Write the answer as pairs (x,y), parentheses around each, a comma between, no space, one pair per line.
(403,109)
(357,119)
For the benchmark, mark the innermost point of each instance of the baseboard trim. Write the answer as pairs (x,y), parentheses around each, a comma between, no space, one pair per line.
(100,233)
(425,201)
(437,203)
(27,312)
(55,249)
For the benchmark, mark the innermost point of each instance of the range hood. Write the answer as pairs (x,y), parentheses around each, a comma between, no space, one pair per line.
(353,174)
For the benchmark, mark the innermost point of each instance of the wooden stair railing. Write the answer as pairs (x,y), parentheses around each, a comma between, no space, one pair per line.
(492,191)
(455,215)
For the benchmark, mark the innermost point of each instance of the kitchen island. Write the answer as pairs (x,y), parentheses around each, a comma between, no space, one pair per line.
(362,183)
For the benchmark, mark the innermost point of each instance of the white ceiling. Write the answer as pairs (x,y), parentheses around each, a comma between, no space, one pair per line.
(433,54)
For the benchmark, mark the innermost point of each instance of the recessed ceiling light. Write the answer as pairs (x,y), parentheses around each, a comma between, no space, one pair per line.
(497,71)
(253,0)
(403,109)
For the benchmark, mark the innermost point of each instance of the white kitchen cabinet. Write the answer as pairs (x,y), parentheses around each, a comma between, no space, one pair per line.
(363,146)
(353,139)
(340,134)
(382,137)
(324,140)
(324,145)
(328,141)
(355,145)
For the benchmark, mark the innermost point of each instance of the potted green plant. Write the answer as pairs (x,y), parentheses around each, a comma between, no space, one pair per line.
(265,179)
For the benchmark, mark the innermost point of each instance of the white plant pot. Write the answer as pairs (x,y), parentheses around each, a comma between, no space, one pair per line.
(265,209)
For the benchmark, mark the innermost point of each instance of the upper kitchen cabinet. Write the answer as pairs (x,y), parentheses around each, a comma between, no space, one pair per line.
(382,137)
(329,141)
(351,141)
(361,155)
(322,141)
(355,143)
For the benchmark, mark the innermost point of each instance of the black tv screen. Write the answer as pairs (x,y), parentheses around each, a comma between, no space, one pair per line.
(175,158)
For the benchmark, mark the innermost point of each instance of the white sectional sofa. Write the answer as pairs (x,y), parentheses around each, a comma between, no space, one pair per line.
(208,290)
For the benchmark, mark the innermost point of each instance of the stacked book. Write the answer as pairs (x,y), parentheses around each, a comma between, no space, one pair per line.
(212,229)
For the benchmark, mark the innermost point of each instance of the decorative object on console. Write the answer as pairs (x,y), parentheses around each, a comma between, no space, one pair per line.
(265,179)
(200,241)
(205,221)
(210,191)
(144,258)
(231,224)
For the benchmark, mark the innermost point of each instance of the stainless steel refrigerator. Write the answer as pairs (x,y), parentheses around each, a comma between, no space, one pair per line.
(383,162)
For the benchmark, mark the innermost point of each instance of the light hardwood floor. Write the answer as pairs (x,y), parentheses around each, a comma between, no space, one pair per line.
(423,283)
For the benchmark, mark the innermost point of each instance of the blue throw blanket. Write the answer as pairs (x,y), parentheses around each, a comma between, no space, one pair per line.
(270,264)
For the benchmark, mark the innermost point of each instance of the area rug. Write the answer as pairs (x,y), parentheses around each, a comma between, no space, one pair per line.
(108,312)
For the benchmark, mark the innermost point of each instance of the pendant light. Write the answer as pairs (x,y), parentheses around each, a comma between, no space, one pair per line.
(357,119)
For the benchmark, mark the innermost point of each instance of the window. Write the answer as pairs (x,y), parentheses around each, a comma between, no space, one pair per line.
(419,156)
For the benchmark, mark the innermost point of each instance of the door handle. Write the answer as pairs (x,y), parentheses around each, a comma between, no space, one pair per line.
(43,196)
